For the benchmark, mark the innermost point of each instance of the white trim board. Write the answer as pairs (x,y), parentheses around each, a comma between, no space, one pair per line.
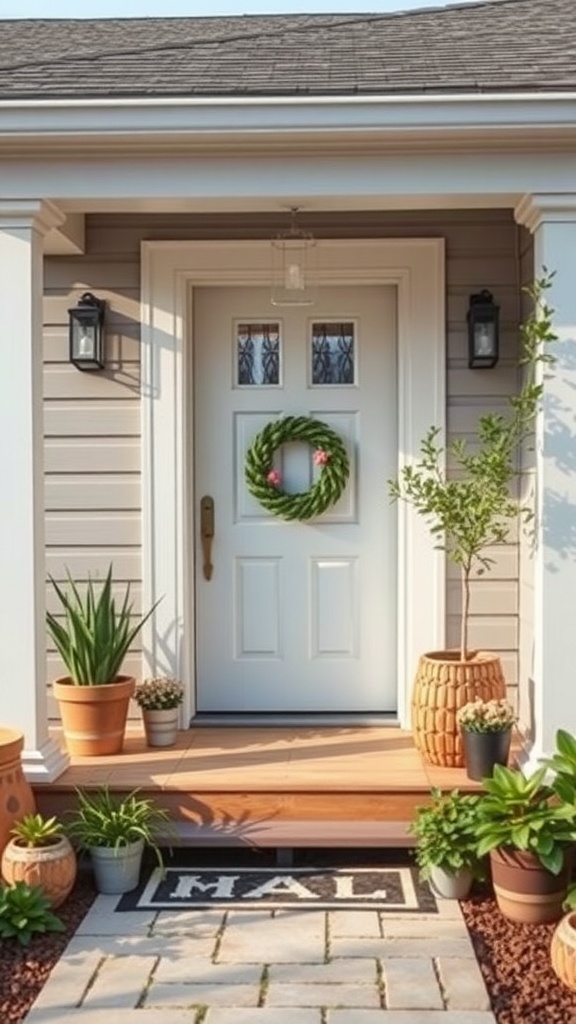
(170,270)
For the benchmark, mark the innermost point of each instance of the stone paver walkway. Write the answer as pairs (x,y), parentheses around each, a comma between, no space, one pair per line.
(266,967)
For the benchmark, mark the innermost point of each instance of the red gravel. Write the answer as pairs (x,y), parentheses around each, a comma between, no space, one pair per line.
(515,962)
(514,958)
(25,969)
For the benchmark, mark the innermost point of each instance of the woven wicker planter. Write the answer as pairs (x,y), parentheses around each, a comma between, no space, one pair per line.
(52,867)
(563,951)
(443,684)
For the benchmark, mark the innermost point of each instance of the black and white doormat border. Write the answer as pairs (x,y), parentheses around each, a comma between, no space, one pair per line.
(395,889)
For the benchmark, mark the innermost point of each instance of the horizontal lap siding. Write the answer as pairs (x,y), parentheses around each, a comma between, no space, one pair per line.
(92,421)
(92,436)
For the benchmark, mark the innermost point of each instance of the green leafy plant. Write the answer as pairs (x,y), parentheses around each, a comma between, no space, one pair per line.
(103,819)
(34,831)
(472,507)
(563,765)
(95,636)
(25,910)
(445,831)
(524,813)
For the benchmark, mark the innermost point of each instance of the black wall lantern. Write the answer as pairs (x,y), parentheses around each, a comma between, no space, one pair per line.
(87,333)
(483,335)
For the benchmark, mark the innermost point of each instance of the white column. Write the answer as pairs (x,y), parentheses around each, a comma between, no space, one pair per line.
(552,220)
(23,224)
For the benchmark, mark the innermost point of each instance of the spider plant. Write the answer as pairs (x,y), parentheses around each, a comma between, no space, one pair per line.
(115,821)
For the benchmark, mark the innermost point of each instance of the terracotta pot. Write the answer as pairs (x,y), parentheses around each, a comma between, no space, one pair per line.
(16,797)
(525,890)
(483,750)
(94,717)
(52,867)
(442,686)
(563,950)
(161,727)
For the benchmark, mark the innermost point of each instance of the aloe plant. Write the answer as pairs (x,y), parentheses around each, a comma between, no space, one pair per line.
(34,830)
(95,636)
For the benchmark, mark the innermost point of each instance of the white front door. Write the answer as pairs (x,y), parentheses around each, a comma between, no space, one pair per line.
(297,616)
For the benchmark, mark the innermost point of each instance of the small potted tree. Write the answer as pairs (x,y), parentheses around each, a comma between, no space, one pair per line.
(160,699)
(115,830)
(93,640)
(446,844)
(467,511)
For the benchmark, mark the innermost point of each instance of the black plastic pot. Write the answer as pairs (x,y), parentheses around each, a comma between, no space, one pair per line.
(483,750)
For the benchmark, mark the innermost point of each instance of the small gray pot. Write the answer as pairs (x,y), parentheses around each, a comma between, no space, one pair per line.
(161,727)
(450,885)
(117,871)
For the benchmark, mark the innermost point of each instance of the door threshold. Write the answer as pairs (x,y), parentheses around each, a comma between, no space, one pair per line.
(339,719)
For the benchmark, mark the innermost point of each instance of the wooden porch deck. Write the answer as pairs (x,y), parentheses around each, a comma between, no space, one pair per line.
(270,786)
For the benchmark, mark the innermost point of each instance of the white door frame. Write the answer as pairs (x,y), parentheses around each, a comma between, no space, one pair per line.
(170,270)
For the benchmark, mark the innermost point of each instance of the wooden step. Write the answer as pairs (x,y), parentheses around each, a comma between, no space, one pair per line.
(296,833)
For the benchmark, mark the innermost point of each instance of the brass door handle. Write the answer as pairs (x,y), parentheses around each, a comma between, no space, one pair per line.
(207,533)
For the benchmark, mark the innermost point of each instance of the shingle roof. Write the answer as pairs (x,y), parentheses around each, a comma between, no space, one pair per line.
(495,46)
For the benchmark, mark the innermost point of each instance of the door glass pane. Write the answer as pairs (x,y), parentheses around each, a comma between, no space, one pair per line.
(257,354)
(333,353)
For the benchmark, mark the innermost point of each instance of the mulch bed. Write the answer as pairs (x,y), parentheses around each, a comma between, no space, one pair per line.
(515,961)
(25,969)
(514,958)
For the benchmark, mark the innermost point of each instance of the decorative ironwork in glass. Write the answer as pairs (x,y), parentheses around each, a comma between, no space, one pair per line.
(333,353)
(258,354)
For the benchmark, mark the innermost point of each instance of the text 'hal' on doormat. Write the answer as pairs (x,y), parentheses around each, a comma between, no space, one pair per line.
(390,888)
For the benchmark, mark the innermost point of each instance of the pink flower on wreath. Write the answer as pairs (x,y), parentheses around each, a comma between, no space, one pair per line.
(274,478)
(321,457)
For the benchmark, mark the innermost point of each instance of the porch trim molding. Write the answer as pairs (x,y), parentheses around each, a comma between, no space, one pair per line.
(23,698)
(170,271)
(117,123)
(551,217)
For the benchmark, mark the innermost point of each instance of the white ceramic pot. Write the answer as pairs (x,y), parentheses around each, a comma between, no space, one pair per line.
(161,727)
(450,885)
(117,870)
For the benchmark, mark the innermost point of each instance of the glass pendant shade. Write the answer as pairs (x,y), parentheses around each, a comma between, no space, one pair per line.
(483,331)
(86,333)
(294,267)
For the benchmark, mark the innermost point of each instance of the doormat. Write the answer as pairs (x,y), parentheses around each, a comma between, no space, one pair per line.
(389,888)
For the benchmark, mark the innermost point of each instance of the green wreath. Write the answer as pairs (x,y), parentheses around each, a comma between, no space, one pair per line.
(264,482)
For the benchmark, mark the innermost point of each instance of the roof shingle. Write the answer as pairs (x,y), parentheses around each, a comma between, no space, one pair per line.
(493,46)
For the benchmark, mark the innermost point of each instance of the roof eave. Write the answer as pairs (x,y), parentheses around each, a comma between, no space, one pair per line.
(172,122)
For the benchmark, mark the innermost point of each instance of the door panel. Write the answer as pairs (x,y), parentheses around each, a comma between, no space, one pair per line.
(297,616)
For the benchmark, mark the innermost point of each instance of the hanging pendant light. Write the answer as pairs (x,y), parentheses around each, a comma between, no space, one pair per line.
(294,266)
